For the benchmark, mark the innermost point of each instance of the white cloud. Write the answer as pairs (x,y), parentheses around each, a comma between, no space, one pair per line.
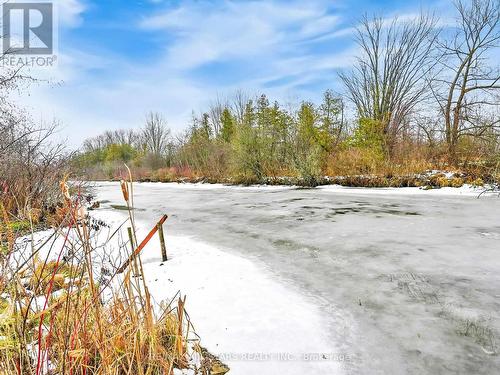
(88,105)
(323,25)
(70,12)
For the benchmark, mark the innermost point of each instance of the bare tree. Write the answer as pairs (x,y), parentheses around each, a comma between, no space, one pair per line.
(155,134)
(31,164)
(123,137)
(12,118)
(469,102)
(389,79)
(239,104)
(119,137)
(215,114)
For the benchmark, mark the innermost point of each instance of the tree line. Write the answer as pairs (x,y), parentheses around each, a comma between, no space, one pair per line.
(418,96)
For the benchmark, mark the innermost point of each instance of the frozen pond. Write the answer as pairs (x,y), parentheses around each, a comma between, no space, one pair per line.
(404,283)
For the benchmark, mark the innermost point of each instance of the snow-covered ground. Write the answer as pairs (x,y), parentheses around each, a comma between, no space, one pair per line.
(467,190)
(464,190)
(383,281)
(250,321)
(253,323)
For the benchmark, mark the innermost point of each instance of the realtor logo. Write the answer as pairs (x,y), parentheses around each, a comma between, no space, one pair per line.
(28,28)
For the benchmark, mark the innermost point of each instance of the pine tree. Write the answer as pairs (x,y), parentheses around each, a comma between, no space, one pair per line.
(228,125)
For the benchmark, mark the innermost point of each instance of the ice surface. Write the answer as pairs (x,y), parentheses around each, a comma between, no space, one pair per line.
(390,283)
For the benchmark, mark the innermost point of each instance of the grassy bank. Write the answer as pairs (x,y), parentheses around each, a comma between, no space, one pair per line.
(426,180)
(65,306)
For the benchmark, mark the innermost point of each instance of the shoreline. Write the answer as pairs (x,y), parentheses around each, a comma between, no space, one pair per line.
(464,190)
(427,180)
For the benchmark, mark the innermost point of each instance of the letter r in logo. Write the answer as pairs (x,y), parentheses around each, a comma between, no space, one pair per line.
(36,25)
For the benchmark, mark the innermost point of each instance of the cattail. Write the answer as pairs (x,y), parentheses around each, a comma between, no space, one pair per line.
(81,212)
(65,190)
(124,190)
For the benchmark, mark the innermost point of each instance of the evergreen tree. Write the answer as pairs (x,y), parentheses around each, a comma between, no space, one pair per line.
(228,125)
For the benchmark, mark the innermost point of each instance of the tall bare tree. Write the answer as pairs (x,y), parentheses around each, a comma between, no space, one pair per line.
(239,104)
(12,118)
(155,134)
(215,114)
(390,76)
(470,98)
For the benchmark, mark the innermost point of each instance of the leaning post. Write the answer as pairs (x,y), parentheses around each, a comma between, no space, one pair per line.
(162,242)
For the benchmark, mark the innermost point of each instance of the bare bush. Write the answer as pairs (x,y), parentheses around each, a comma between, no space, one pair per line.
(31,166)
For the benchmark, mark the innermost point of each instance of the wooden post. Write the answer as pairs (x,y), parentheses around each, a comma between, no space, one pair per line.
(141,245)
(162,242)
(132,244)
(131,238)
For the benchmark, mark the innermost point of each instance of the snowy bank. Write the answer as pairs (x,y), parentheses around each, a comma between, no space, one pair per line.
(254,324)
(465,190)
(200,186)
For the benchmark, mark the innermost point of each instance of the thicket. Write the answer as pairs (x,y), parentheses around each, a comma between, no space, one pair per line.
(270,143)
(32,163)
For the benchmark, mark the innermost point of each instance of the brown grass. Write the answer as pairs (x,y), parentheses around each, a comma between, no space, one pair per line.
(56,317)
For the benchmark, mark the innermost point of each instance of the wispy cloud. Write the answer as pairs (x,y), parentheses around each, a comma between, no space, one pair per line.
(70,12)
(267,40)
(205,33)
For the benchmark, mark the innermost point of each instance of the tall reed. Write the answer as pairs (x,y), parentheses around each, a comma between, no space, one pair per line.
(64,309)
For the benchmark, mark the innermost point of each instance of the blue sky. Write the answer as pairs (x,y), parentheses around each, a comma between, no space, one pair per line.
(117,60)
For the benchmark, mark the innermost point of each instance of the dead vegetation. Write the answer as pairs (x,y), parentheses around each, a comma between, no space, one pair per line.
(65,308)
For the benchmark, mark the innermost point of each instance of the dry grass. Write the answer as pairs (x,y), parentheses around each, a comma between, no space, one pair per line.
(357,161)
(63,312)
